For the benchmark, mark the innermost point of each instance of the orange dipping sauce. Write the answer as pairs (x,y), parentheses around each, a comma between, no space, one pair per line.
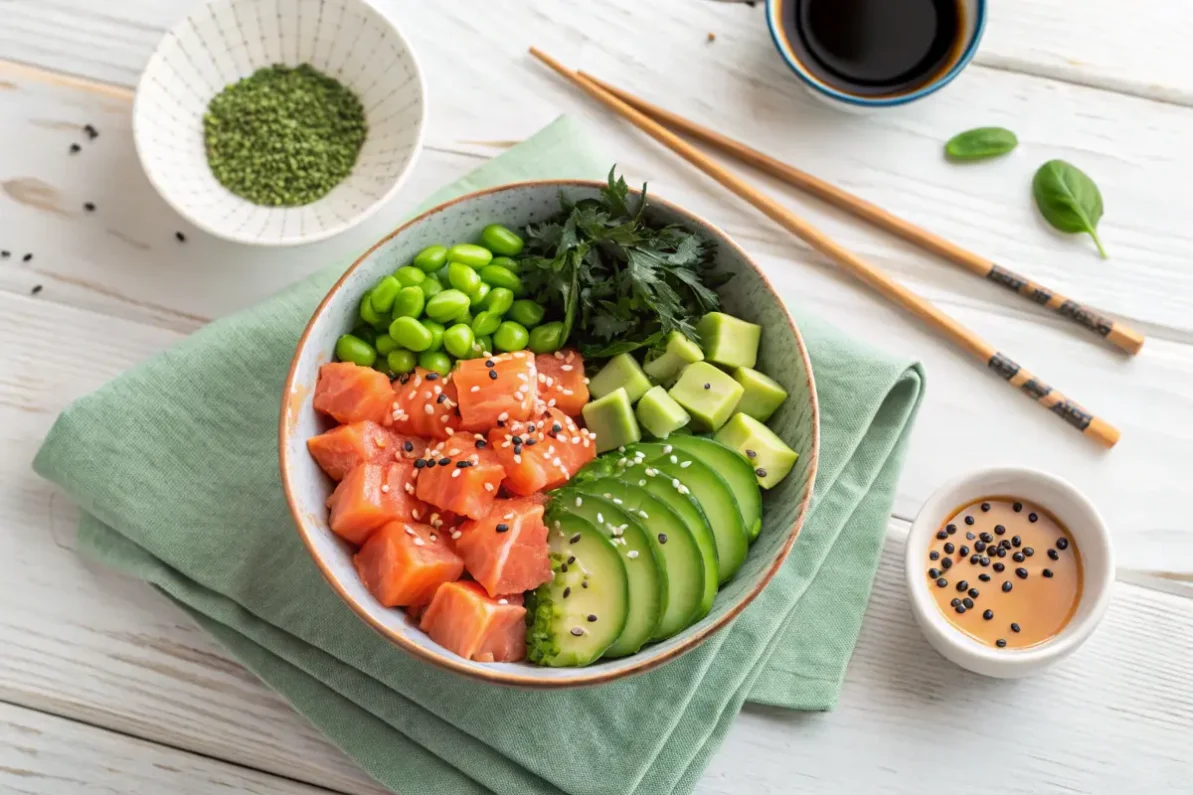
(1005,572)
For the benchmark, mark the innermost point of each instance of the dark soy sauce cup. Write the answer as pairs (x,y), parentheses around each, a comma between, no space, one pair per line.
(858,54)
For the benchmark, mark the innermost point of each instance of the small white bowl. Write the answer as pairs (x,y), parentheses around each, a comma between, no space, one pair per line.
(1071,508)
(223,41)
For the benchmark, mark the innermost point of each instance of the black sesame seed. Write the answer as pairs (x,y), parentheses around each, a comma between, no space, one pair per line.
(979,546)
(26,258)
(481,444)
(942,535)
(970,536)
(960,609)
(1002,552)
(592,617)
(5,254)
(974,559)
(934,573)
(567,592)
(999,567)
(404,378)
(984,577)
(442,397)
(947,563)
(999,529)
(503,527)
(577,631)
(662,538)
(444,461)
(419,463)
(463,464)
(563,567)
(941,582)
(985,561)
(950,529)
(949,548)
(493,374)
(181,237)
(1018,557)
(1018,507)
(89,206)
(556,428)
(962,586)
(751,453)
(432,376)
(516,440)
(1000,643)
(74,148)
(584,584)
(1014,627)
(408,446)
(974,592)
(1028,551)
(531,442)
(1053,554)
(967,602)
(989,614)
(964,550)
(969,520)
(986,537)
(37,288)
(1021,573)
(934,555)
(955,602)
(1006,586)
(1062,543)
(92,133)
(1031,517)
(707,385)
(1047,573)
(574,539)
(571,559)
(985,507)
(760,472)
(1016,541)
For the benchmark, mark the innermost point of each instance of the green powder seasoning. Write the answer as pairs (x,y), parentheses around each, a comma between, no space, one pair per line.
(283,137)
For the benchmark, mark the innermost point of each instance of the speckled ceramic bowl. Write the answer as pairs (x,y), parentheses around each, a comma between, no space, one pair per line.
(749,295)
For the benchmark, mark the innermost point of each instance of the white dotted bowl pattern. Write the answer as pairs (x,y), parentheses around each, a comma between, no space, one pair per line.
(224,41)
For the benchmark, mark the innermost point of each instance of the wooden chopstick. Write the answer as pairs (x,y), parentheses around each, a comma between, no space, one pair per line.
(1117,334)
(1017,376)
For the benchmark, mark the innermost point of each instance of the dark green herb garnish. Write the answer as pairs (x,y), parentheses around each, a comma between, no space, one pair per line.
(619,282)
(1068,199)
(980,143)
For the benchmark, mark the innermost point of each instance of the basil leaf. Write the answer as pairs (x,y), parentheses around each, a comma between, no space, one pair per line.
(981,143)
(1068,199)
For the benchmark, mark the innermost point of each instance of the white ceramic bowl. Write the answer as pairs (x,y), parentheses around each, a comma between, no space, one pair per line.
(1071,508)
(221,42)
(749,295)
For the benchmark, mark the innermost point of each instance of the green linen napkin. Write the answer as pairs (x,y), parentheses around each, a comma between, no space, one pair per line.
(174,464)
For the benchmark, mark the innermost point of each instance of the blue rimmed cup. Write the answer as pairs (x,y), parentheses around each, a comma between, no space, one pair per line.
(969,33)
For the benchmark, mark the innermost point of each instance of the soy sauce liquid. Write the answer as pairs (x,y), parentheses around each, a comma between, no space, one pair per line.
(874,47)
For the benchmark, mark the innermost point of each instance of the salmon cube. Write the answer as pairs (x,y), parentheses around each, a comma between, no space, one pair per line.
(351,393)
(460,475)
(371,495)
(474,625)
(506,552)
(425,405)
(403,563)
(561,381)
(496,390)
(344,448)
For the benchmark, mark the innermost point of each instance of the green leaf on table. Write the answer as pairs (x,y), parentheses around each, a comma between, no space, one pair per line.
(980,144)
(1068,199)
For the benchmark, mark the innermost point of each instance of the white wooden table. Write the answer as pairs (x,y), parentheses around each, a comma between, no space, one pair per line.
(105,686)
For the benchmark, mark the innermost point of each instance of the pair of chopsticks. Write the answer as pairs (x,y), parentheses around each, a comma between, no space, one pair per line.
(658,123)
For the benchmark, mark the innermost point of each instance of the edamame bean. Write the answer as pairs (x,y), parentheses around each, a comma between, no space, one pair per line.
(386,345)
(409,302)
(458,341)
(471,255)
(435,361)
(431,287)
(527,312)
(476,298)
(447,305)
(431,258)
(464,317)
(485,323)
(409,333)
(436,330)
(382,366)
(367,313)
(355,350)
(462,277)
(401,361)
(410,276)
(509,264)
(546,338)
(483,346)
(511,336)
(499,300)
(497,276)
(500,240)
(383,294)
(365,333)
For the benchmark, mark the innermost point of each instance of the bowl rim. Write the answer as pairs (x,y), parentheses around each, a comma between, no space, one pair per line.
(583,676)
(343,226)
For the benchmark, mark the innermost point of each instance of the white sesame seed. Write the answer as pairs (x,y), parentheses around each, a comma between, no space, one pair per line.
(567,368)
(651,472)
(586,381)
(642,482)
(456,534)
(558,355)
(446,418)
(517,458)
(385,488)
(579,502)
(427,395)
(456,473)
(616,501)
(429,409)
(633,553)
(409,531)
(674,459)
(667,449)
(418,381)
(409,489)
(685,465)
(415,514)
(503,416)
(418,542)
(600,518)
(434,537)
(621,449)
(438,389)
(488,487)
(644,514)
(567,392)
(503,601)
(475,389)
(522,377)
(683,490)
(510,515)
(551,403)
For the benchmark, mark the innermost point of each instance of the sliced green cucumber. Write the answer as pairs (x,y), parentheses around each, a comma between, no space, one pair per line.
(672,541)
(736,471)
(647,578)
(576,616)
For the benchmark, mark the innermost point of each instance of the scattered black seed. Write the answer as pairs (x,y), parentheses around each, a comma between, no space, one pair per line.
(760,472)
(92,133)
(1014,627)
(180,237)
(493,374)
(430,463)
(503,527)
(463,464)
(26,258)
(444,461)
(1028,551)
(934,555)
(975,593)
(516,440)
(1021,573)
(419,463)
(481,444)
(89,206)
(984,577)
(408,446)
(37,288)
(584,584)
(985,561)
(442,397)
(662,538)
(1062,543)
(1006,586)
(751,453)
(1018,507)
(592,617)
(707,385)
(1000,643)
(74,148)
(985,507)
(934,573)
(1016,541)
(578,631)
(967,602)
(970,536)
(1031,517)
(974,559)
(531,442)
(986,537)
(571,559)
(960,609)
(404,378)
(942,535)
(5,254)
(567,592)
(963,585)
(1053,554)
(979,546)
(1047,573)
(1002,552)
(564,567)
(941,582)
(999,567)
(964,550)
(955,602)
(1018,557)
(999,529)
(556,428)
(948,548)
(989,614)
(950,529)
(947,563)
(432,376)
(574,539)
(969,520)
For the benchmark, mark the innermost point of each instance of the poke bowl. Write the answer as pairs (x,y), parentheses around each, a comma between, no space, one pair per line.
(577,442)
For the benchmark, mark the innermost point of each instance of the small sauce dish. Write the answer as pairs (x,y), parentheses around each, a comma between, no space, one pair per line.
(1008,570)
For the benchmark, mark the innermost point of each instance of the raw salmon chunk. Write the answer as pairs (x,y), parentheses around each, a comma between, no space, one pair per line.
(461,475)
(343,449)
(371,495)
(506,552)
(403,563)
(496,390)
(425,405)
(466,620)
(561,381)
(351,393)
(539,454)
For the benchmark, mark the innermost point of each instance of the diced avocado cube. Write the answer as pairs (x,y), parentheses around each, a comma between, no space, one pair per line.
(611,418)
(762,396)
(728,341)
(709,395)
(620,372)
(680,351)
(766,452)
(659,414)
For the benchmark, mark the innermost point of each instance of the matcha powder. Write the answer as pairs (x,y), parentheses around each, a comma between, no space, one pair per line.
(283,137)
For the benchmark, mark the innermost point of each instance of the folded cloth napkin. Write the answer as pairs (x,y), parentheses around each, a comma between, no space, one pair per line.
(175,465)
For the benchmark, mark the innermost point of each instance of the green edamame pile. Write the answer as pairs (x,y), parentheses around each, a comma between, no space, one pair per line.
(451,302)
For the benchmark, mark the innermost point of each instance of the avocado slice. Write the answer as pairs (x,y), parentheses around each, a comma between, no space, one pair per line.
(612,419)
(672,541)
(693,478)
(736,471)
(620,372)
(770,457)
(680,351)
(591,595)
(707,393)
(647,577)
(762,396)
(728,341)
(659,414)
